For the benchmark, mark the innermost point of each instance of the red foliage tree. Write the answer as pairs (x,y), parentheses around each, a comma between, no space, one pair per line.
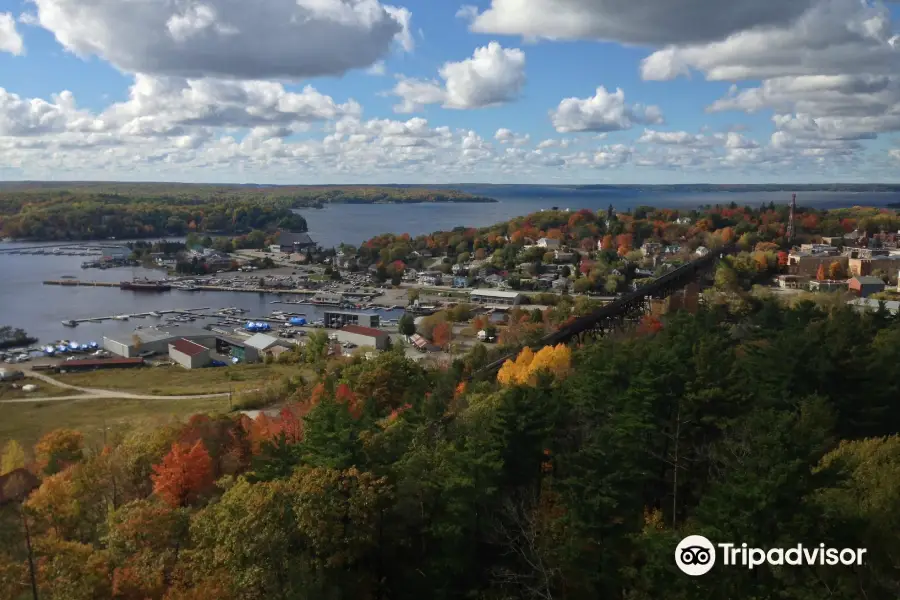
(345,395)
(650,324)
(184,475)
(782,258)
(441,334)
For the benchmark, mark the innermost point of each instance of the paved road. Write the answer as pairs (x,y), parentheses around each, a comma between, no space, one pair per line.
(97,394)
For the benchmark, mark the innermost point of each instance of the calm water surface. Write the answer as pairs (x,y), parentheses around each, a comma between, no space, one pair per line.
(26,303)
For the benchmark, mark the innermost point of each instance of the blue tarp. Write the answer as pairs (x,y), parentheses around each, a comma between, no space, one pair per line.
(298,321)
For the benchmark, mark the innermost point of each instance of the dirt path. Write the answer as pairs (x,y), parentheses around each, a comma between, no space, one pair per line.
(97,394)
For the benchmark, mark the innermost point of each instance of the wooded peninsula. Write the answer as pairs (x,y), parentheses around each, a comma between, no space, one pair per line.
(84,210)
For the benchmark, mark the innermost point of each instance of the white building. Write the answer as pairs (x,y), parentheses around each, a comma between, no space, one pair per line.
(363,336)
(263,344)
(548,243)
(496,297)
(188,354)
(702,251)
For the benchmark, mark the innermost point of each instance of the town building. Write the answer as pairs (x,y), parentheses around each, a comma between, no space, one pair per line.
(460,281)
(563,256)
(289,242)
(338,318)
(188,354)
(829,285)
(549,243)
(92,364)
(510,298)
(154,341)
(431,278)
(805,263)
(265,345)
(363,336)
(792,282)
(867,266)
(701,251)
(819,249)
(865,286)
(651,248)
(115,253)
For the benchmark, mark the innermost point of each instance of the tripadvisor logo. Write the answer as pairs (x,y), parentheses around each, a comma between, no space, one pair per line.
(695,555)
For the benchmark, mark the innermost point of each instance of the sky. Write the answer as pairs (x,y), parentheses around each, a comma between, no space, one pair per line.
(450,91)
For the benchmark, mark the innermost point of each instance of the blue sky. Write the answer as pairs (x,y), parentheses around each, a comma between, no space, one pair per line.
(357,91)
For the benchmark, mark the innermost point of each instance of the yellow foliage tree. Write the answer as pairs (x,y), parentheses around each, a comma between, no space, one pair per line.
(13,457)
(556,360)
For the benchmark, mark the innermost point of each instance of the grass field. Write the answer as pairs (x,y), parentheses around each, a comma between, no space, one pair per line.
(10,390)
(26,422)
(177,381)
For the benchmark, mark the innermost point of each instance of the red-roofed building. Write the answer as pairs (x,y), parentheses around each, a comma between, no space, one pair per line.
(363,336)
(188,354)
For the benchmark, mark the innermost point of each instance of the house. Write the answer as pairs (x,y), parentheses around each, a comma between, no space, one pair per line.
(548,243)
(363,336)
(819,249)
(673,249)
(560,285)
(651,248)
(457,269)
(188,354)
(460,281)
(494,280)
(792,282)
(683,221)
(865,286)
(829,285)
(289,242)
(701,251)
(563,256)
(431,278)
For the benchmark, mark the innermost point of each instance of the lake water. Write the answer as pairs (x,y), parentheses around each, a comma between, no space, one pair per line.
(26,303)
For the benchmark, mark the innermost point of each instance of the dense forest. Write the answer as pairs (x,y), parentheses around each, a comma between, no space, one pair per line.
(82,211)
(573,476)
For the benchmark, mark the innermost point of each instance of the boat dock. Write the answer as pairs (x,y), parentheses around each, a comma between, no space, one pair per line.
(184,311)
(74,282)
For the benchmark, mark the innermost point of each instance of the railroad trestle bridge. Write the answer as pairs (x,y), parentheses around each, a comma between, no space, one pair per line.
(628,308)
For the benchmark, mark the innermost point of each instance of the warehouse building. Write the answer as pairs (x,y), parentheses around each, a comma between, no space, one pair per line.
(336,319)
(157,341)
(265,345)
(188,354)
(364,336)
(497,297)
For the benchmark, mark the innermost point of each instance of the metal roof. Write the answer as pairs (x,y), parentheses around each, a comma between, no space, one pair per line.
(188,347)
(261,341)
(495,294)
(869,280)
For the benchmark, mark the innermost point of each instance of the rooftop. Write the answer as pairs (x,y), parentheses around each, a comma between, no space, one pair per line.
(359,330)
(495,294)
(869,280)
(92,362)
(261,341)
(287,238)
(188,347)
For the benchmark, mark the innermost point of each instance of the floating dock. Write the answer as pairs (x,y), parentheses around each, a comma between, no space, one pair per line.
(74,282)
(184,311)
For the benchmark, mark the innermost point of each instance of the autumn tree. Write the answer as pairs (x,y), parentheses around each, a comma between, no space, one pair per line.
(836,270)
(13,457)
(440,335)
(58,449)
(184,475)
(555,360)
(820,273)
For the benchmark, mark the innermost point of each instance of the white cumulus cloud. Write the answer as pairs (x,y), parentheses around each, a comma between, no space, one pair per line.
(602,112)
(493,75)
(264,39)
(10,39)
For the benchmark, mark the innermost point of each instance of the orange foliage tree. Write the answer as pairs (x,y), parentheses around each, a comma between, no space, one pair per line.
(606,243)
(184,475)
(820,273)
(650,324)
(59,449)
(440,336)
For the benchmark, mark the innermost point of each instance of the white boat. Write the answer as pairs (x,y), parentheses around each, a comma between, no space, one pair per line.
(121,317)
(155,314)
